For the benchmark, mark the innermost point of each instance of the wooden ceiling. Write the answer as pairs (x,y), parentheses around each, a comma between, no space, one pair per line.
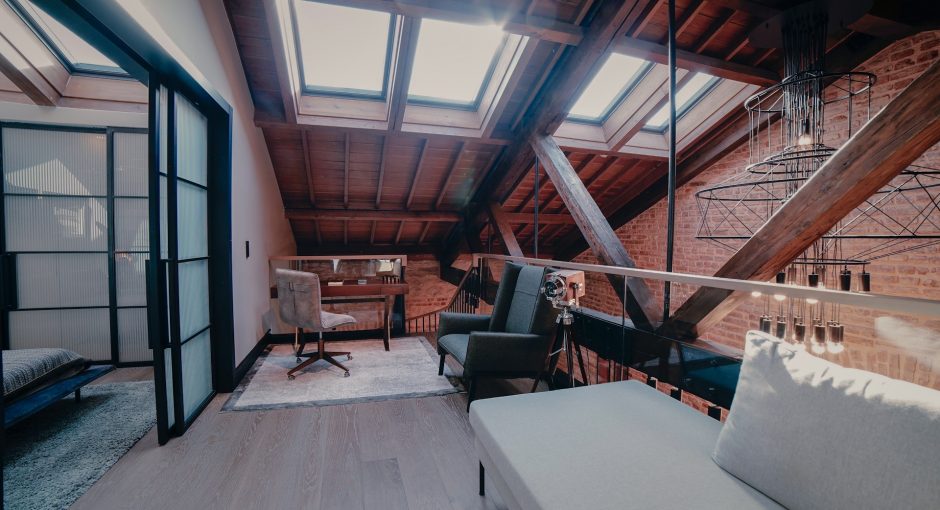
(363,189)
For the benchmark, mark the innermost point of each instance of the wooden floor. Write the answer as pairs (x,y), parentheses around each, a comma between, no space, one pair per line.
(399,454)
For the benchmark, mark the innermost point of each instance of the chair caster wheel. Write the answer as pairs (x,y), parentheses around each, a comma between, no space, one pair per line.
(298,359)
(349,356)
(346,374)
(290,378)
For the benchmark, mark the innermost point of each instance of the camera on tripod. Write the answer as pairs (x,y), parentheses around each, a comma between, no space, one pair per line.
(564,288)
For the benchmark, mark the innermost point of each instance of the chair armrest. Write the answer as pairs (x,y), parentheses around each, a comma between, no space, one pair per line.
(506,353)
(452,322)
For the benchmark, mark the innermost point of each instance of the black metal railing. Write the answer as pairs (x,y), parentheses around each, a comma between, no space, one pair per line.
(466,299)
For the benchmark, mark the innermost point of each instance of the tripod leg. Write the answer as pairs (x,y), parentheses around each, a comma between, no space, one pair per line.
(569,357)
(576,347)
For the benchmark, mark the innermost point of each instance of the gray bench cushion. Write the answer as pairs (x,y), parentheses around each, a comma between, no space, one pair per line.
(611,446)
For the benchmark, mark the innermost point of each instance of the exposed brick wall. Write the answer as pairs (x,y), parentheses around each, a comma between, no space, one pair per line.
(911,274)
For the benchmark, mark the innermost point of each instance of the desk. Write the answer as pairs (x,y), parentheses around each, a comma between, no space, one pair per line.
(374,290)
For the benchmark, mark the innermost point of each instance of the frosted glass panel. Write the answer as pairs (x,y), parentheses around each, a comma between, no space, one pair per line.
(130,164)
(52,280)
(54,162)
(132,335)
(163,122)
(55,224)
(168,364)
(164,247)
(86,332)
(192,206)
(197,372)
(130,224)
(191,142)
(194,297)
(131,278)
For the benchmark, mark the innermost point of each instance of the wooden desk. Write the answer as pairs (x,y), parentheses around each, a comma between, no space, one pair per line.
(375,290)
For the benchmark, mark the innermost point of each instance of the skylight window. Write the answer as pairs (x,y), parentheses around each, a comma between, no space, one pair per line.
(76,53)
(686,97)
(343,50)
(608,88)
(453,62)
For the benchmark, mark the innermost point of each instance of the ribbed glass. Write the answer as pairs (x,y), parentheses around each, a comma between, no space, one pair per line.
(164,246)
(45,162)
(56,224)
(192,223)
(86,332)
(191,142)
(54,280)
(130,224)
(130,278)
(197,372)
(193,297)
(130,164)
(132,335)
(168,364)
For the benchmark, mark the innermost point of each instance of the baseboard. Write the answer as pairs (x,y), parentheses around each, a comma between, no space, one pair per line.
(242,369)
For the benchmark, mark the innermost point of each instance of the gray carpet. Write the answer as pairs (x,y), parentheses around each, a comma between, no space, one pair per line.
(407,370)
(52,458)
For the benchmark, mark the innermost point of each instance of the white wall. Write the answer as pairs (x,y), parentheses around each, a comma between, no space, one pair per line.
(201,29)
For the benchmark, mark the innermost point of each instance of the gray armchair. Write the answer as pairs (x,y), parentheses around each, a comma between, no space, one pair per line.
(513,342)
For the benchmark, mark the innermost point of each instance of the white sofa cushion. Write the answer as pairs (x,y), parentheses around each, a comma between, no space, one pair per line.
(611,446)
(812,434)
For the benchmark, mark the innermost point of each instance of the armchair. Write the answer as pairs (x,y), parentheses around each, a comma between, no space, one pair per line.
(512,342)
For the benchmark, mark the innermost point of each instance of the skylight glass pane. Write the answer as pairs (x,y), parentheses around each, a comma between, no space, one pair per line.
(616,75)
(453,61)
(73,48)
(691,91)
(342,49)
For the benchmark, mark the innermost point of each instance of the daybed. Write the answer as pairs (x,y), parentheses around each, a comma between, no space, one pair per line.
(802,433)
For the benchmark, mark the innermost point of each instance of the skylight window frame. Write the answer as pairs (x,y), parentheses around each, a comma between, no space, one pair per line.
(687,107)
(618,100)
(73,68)
(461,105)
(311,90)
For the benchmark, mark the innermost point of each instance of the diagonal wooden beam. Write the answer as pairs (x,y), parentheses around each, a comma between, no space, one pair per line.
(450,176)
(593,225)
(501,224)
(316,228)
(417,176)
(26,78)
(645,112)
(308,169)
(544,219)
(372,232)
(716,27)
(382,162)
(346,170)
(424,232)
(901,132)
(401,228)
(692,10)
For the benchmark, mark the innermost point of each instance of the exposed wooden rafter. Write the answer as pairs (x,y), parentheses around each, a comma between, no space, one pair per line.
(417,175)
(308,169)
(382,161)
(692,61)
(370,215)
(501,224)
(450,176)
(346,171)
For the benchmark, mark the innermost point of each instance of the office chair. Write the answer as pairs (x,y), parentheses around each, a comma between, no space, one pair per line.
(298,295)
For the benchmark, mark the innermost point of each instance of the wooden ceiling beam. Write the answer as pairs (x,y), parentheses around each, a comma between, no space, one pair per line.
(26,78)
(501,224)
(593,225)
(407,42)
(381,182)
(371,215)
(901,132)
(372,232)
(417,175)
(401,228)
(645,112)
(446,137)
(692,10)
(510,19)
(424,232)
(695,62)
(713,30)
(450,175)
(308,169)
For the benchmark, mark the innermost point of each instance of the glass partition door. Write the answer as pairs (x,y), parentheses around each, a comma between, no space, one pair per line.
(180,279)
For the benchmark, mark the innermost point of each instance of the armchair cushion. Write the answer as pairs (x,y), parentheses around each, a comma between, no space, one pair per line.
(452,322)
(497,352)
(454,344)
(526,299)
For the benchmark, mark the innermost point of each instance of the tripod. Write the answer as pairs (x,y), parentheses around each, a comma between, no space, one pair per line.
(569,346)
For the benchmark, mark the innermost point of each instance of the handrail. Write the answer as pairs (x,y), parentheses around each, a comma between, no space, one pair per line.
(428,321)
(897,304)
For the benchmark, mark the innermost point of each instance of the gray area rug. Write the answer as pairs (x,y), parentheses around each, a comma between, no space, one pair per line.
(407,370)
(52,458)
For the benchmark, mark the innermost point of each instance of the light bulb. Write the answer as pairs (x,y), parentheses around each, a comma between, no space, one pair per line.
(779,297)
(819,348)
(835,348)
(811,301)
(804,140)
(755,293)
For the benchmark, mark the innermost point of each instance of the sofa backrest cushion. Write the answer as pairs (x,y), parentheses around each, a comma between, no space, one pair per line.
(812,434)
(526,300)
(503,300)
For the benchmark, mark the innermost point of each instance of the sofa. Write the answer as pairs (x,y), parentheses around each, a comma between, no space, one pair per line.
(802,433)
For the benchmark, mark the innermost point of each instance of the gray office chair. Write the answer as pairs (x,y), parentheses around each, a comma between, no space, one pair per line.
(514,341)
(298,296)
